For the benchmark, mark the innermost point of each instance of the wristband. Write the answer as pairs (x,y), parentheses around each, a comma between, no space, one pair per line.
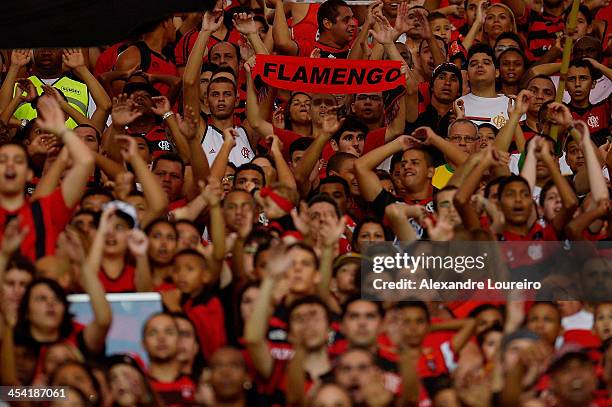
(166,115)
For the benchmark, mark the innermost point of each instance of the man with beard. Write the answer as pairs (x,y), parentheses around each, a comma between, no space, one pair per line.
(160,338)
(541,28)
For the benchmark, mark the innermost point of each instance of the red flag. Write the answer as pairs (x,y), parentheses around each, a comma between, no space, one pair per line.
(328,75)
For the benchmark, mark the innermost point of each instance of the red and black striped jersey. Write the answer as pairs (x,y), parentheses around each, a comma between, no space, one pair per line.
(541,31)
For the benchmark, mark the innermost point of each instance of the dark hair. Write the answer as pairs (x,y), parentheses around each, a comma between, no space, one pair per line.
(198,361)
(370,219)
(351,123)
(426,154)
(191,252)
(172,157)
(581,63)
(328,10)
(223,79)
(97,191)
(300,144)
(414,304)
(309,299)
(491,184)
(545,77)
(335,161)
(436,15)
(89,372)
(356,297)
(437,384)
(223,69)
(512,36)
(496,327)
(251,167)
(156,222)
(582,9)
(489,126)
(288,124)
(209,67)
(547,187)
(261,19)
(238,321)
(334,179)
(22,263)
(504,182)
(89,126)
(438,192)
(485,307)
(547,303)
(22,330)
(305,247)
(327,199)
(481,48)
(396,159)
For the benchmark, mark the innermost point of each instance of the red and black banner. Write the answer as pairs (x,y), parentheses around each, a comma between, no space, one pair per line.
(327,75)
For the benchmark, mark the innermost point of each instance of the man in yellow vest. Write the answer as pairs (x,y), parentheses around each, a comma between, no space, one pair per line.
(47,70)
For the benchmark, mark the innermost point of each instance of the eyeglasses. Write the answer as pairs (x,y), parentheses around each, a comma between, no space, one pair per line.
(467,139)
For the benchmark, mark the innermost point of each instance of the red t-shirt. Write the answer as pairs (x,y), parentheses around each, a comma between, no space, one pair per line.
(45,219)
(306,29)
(107,59)
(122,284)
(179,392)
(186,43)
(206,313)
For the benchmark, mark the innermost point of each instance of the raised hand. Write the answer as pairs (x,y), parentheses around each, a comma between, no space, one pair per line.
(276,146)
(188,124)
(26,86)
(278,118)
(245,24)
(13,237)
(424,135)
(301,220)
(124,111)
(123,185)
(73,58)
(542,151)
(278,262)
(402,211)
(523,100)
(384,33)
(331,124)
(54,93)
(213,19)
(408,142)
(105,220)
(51,117)
(330,231)
(211,192)
(423,24)
(161,105)
(249,64)
(229,136)
(129,147)
(585,133)
(72,243)
(316,53)
(21,57)
(559,114)
(442,231)
(459,109)
(138,243)
(402,23)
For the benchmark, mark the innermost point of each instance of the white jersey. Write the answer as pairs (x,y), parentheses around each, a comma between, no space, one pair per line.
(242,152)
(486,110)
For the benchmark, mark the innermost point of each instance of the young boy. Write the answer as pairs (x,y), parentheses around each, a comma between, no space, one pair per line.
(195,281)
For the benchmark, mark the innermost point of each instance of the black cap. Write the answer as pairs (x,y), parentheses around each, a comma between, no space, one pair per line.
(447,67)
(124,359)
(566,352)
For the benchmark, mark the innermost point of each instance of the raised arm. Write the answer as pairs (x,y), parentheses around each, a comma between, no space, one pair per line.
(217,170)
(330,233)
(601,67)
(568,197)
(161,107)
(211,194)
(597,182)
(285,175)
(463,197)
(246,26)
(211,22)
(283,43)
(154,195)
(476,27)
(75,181)
(188,125)
(95,332)
(51,177)
(19,59)
(369,184)
(257,122)
(23,86)
(517,6)
(506,133)
(398,214)
(453,154)
(256,326)
(138,243)
(75,60)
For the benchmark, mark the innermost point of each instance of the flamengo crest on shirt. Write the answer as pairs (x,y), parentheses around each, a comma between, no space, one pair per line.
(321,75)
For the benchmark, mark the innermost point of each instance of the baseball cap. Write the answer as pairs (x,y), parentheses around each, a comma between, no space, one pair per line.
(447,67)
(125,211)
(347,258)
(518,334)
(125,359)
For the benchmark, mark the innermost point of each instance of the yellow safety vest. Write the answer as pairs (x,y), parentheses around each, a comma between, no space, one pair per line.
(76,92)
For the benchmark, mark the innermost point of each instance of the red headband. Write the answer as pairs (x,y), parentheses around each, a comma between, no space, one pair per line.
(283,203)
